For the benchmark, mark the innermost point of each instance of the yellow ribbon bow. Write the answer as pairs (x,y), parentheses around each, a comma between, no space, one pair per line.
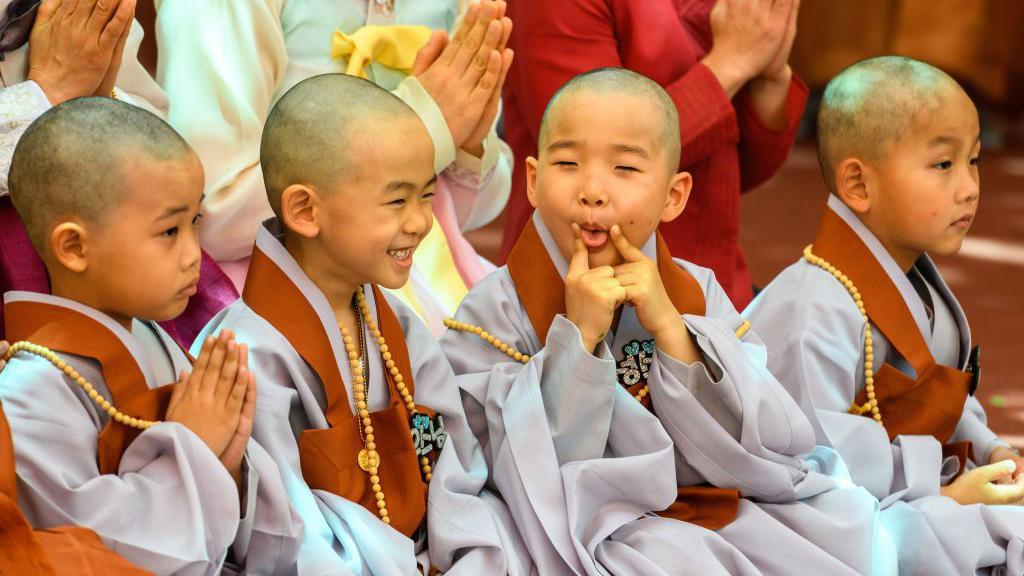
(391,46)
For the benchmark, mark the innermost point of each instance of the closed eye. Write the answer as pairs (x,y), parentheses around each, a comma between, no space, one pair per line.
(565,163)
(944,165)
(196,219)
(975,161)
(627,168)
(170,232)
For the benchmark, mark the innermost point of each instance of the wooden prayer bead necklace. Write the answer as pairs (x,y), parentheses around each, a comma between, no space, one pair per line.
(524,358)
(869,358)
(53,358)
(369,458)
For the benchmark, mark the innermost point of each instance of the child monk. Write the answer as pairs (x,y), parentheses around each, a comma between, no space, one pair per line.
(869,339)
(609,382)
(357,403)
(156,471)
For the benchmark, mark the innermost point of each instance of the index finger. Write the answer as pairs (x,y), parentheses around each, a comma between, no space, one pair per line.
(580,262)
(629,252)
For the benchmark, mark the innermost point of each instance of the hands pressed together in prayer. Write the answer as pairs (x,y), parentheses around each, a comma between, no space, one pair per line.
(592,296)
(75,46)
(752,42)
(465,75)
(217,400)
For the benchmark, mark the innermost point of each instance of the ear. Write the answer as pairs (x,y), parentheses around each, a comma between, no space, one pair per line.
(852,184)
(300,210)
(531,180)
(68,242)
(678,195)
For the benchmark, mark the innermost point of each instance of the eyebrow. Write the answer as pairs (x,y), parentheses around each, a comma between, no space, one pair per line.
(946,140)
(562,145)
(629,149)
(175,210)
(403,185)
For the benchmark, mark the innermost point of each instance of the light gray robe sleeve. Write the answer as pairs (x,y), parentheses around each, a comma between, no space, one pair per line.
(973,428)
(577,393)
(468,527)
(563,510)
(814,334)
(171,508)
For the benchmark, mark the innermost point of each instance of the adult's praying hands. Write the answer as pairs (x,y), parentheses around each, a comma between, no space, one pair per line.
(75,46)
(465,75)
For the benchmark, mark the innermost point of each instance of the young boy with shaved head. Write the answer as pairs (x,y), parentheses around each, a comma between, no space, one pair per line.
(624,406)
(357,403)
(111,430)
(869,339)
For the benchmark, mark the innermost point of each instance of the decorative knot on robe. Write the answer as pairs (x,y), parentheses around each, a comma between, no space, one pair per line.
(392,46)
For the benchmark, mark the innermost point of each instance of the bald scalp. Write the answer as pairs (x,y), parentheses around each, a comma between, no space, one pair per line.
(68,163)
(309,135)
(872,104)
(622,81)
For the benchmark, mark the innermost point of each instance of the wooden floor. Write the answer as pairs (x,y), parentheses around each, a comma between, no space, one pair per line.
(780,218)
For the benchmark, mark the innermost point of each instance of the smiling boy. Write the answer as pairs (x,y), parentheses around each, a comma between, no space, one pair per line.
(358,405)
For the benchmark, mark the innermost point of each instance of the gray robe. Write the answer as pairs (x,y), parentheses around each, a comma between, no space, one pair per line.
(815,338)
(172,508)
(585,467)
(468,530)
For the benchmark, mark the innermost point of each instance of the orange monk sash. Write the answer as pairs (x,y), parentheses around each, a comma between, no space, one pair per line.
(329,457)
(65,330)
(541,290)
(933,403)
(63,550)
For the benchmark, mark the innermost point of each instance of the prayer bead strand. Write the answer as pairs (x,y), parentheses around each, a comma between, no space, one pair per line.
(106,406)
(524,358)
(869,358)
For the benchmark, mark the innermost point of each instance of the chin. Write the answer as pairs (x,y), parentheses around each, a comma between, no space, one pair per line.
(392,281)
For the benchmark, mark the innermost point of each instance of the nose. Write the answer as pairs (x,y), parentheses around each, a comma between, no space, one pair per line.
(192,254)
(419,217)
(591,193)
(969,189)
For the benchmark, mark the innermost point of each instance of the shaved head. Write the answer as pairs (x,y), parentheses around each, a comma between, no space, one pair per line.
(68,163)
(308,135)
(872,104)
(622,81)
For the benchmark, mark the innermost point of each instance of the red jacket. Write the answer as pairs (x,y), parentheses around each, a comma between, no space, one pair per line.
(725,146)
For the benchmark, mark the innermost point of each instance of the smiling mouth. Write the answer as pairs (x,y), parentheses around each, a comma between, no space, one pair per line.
(401,254)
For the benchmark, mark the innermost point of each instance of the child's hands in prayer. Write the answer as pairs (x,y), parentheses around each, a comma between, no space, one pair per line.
(747,36)
(991,484)
(73,43)
(591,295)
(235,450)
(210,400)
(1001,453)
(646,292)
(465,76)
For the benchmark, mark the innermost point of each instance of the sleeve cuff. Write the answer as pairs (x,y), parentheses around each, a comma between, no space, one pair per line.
(412,93)
(796,99)
(710,369)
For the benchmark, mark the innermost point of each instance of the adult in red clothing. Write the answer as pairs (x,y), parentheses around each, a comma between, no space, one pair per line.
(725,66)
